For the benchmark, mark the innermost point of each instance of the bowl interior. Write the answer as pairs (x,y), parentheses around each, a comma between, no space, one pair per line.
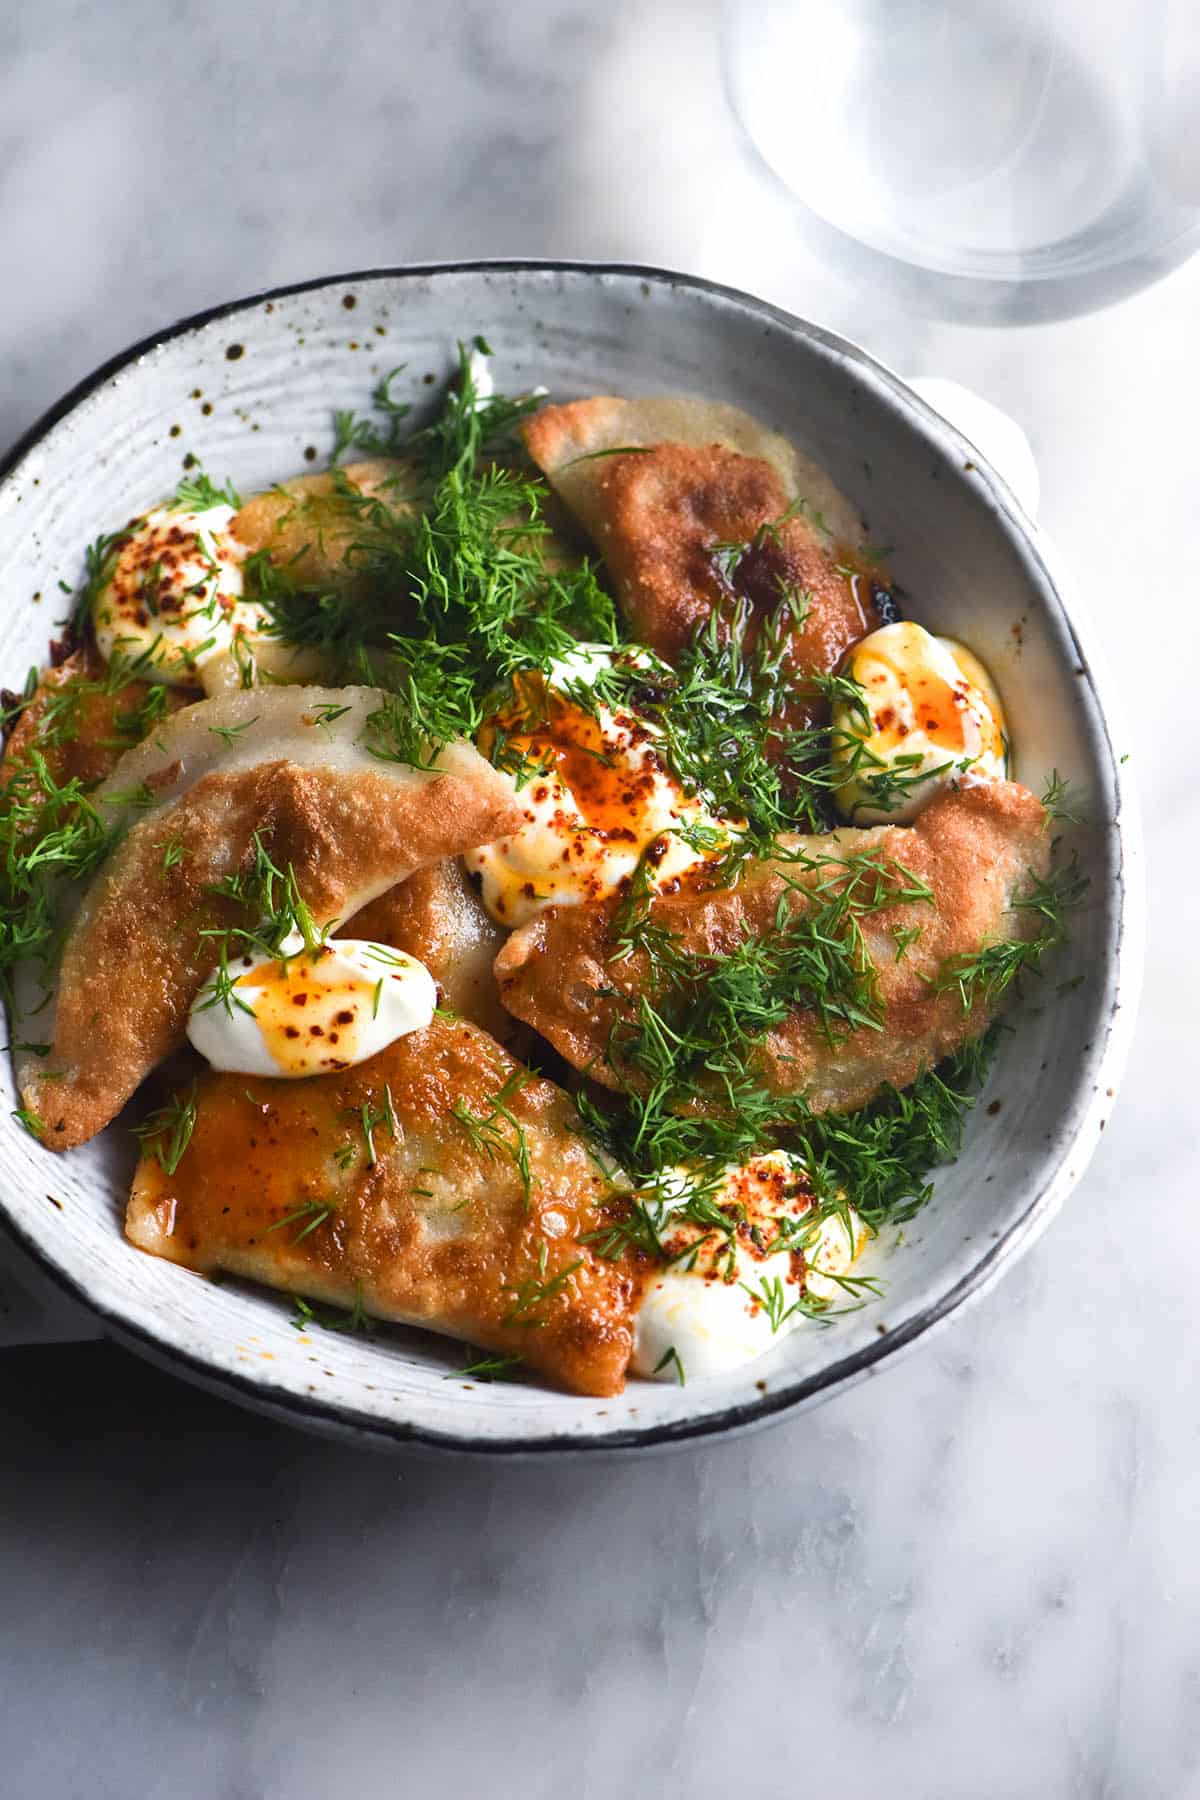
(248,393)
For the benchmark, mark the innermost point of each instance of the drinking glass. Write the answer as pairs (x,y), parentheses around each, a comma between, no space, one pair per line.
(990,161)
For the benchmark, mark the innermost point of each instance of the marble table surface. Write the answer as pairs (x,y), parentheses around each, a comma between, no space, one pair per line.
(973,1576)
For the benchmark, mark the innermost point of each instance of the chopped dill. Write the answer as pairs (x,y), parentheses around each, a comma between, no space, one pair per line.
(167,1132)
(310,1215)
(451,598)
(271,896)
(197,493)
(370,1119)
(669,1356)
(31,1121)
(906,936)
(306,1316)
(498,1132)
(230,733)
(984,975)
(532,1294)
(489,1368)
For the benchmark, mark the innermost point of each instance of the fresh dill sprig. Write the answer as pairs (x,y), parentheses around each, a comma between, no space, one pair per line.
(724,727)
(489,1368)
(431,699)
(1058,798)
(167,1132)
(880,1157)
(196,492)
(469,423)
(50,832)
(310,1215)
(686,1047)
(98,561)
(883,1154)
(984,975)
(452,596)
(699,1020)
(498,1132)
(385,438)
(531,1295)
(272,895)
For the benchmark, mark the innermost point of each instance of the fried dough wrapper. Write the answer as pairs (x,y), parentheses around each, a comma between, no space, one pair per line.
(430,1223)
(696,509)
(437,916)
(290,768)
(567,442)
(82,724)
(978,849)
(308,527)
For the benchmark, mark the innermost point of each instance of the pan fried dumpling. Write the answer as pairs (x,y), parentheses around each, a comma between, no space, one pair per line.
(81,722)
(398,1187)
(694,509)
(976,849)
(568,441)
(307,525)
(438,916)
(289,772)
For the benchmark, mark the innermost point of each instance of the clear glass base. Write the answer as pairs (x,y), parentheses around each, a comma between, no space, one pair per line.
(990,161)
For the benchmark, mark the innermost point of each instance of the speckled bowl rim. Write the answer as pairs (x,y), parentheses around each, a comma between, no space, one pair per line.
(1101,1065)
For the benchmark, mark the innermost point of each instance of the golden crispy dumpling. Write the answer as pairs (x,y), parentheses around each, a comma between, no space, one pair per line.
(568,441)
(977,849)
(438,1184)
(307,526)
(82,723)
(688,504)
(290,771)
(437,916)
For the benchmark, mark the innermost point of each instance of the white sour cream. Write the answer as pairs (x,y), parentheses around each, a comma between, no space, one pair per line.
(597,795)
(934,715)
(172,596)
(311,1012)
(725,1301)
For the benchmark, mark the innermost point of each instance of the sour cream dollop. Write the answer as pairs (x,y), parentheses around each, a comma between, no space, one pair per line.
(727,1298)
(935,717)
(598,795)
(311,1012)
(172,593)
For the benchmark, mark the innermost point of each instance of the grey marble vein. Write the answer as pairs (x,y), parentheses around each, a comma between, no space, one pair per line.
(975,1575)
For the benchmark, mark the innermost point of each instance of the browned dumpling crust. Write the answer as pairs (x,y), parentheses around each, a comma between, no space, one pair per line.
(689,529)
(438,916)
(346,823)
(308,526)
(400,1188)
(80,722)
(977,849)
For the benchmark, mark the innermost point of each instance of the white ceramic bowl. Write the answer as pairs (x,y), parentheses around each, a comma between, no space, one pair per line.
(248,390)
